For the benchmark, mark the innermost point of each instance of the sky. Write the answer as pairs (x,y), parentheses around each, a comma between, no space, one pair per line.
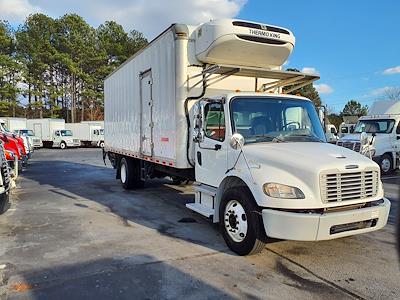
(353,45)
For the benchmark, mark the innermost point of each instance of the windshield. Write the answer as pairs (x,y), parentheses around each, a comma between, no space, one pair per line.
(375,126)
(27,132)
(276,120)
(66,132)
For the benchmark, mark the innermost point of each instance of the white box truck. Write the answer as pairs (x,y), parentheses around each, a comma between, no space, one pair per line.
(90,134)
(53,132)
(19,126)
(100,132)
(382,139)
(204,103)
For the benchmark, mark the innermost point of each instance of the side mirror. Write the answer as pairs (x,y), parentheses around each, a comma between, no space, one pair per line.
(197,135)
(364,138)
(237,141)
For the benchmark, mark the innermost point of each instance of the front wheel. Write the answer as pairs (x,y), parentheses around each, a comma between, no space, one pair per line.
(63,145)
(4,198)
(241,223)
(101,144)
(386,164)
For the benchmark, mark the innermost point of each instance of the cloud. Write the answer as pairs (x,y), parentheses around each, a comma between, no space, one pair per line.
(392,71)
(380,91)
(323,88)
(310,70)
(148,16)
(16,10)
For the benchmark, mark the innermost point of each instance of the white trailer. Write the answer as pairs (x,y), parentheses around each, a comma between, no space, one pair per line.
(13,124)
(382,139)
(90,134)
(204,103)
(53,132)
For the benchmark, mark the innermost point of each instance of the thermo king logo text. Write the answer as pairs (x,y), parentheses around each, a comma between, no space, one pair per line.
(265,33)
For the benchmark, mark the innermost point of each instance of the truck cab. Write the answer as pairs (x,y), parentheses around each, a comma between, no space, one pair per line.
(98,137)
(64,138)
(34,140)
(331,134)
(377,135)
(271,150)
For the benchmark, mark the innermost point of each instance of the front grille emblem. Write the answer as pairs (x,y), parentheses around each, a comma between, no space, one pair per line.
(349,167)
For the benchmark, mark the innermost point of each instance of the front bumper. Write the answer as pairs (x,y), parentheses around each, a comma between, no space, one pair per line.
(325,226)
(73,144)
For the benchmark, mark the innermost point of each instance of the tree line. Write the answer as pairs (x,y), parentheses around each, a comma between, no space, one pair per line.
(56,67)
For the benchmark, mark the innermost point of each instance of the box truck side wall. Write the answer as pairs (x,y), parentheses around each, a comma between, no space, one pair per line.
(144,84)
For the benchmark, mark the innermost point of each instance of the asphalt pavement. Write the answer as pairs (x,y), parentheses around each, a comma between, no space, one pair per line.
(72,232)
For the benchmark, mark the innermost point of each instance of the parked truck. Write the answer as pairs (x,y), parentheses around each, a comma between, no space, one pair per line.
(382,139)
(89,134)
(205,103)
(5,180)
(53,133)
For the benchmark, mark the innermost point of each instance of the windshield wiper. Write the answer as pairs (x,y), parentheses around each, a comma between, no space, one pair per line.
(273,138)
(307,135)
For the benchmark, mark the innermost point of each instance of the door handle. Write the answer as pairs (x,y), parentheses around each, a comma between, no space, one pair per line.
(199,158)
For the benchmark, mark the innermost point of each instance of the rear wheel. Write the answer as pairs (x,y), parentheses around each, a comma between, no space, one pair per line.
(241,222)
(63,145)
(101,144)
(386,164)
(130,173)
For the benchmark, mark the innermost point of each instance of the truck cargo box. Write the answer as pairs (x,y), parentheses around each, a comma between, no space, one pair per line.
(147,98)
(44,128)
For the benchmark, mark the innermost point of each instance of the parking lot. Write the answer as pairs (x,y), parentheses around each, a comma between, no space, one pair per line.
(72,232)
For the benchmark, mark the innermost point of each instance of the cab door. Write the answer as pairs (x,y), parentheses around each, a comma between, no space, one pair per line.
(211,152)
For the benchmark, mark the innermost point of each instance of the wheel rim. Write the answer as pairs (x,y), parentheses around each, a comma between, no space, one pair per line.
(102,145)
(123,173)
(235,220)
(386,165)
(62,145)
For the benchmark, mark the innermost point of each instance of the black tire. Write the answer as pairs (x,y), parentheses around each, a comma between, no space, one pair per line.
(63,145)
(130,174)
(101,144)
(255,238)
(4,198)
(177,180)
(386,158)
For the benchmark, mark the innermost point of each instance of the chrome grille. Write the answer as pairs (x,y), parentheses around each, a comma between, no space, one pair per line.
(356,146)
(337,187)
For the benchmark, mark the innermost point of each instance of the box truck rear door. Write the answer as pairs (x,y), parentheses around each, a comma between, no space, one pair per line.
(146,122)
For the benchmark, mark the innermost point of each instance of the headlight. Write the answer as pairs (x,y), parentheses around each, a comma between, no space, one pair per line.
(277,190)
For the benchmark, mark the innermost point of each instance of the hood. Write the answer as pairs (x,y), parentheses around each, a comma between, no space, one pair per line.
(305,157)
(351,137)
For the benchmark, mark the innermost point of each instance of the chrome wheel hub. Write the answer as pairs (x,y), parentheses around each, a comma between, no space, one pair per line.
(235,221)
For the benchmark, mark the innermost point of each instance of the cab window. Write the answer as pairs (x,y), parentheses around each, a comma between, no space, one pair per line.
(215,121)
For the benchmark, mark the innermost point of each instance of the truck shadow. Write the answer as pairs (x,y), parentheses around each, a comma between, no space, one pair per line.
(136,277)
(160,205)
